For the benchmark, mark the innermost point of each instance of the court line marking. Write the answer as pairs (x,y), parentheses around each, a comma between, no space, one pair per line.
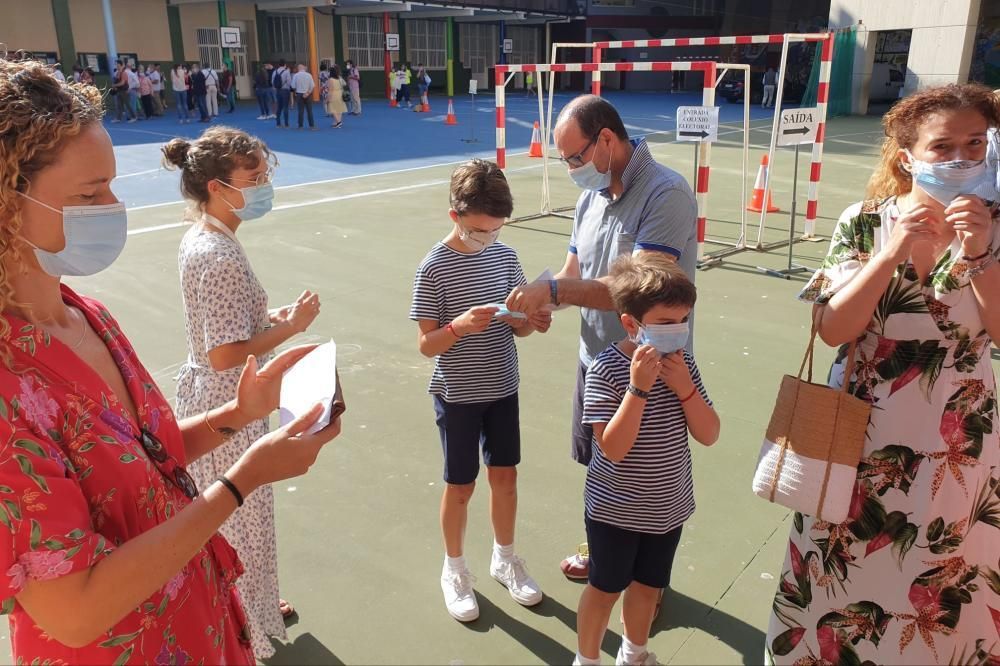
(139,173)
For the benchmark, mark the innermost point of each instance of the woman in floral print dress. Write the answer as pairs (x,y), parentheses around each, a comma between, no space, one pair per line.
(913,575)
(226,176)
(107,552)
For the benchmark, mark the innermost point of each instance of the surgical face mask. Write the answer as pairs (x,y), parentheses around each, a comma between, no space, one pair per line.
(587,177)
(946,180)
(257,201)
(95,236)
(478,240)
(665,338)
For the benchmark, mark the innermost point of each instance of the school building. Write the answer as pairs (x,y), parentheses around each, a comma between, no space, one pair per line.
(899,45)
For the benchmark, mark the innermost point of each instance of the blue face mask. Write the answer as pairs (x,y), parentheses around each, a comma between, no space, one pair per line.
(946,180)
(588,177)
(257,201)
(95,236)
(665,338)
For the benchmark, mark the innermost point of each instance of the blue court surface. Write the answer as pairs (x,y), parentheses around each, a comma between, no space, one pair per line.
(382,140)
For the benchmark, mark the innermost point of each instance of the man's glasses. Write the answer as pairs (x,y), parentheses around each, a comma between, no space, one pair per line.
(168,467)
(577,161)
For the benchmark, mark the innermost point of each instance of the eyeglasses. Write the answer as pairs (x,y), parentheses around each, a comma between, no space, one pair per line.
(261,179)
(174,473)
(576,161)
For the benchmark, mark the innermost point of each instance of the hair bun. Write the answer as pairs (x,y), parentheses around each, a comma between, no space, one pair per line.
(176,152)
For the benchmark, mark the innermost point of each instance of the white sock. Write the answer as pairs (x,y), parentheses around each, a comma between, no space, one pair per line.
(586,661)
(454,564)
(503,552)
(630,651)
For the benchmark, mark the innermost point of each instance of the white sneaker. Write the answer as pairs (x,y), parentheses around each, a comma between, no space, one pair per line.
(513,575)
(459,597)
(261,117)
(646,659)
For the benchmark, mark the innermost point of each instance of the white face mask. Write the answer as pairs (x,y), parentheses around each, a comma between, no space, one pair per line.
(478,240)
(946,180)
(587,177)
(95,236)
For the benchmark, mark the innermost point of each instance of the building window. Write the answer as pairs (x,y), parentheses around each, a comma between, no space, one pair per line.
(209,50)
(426,43)
(480,49)
(366,41)
(286,36)
(525,45)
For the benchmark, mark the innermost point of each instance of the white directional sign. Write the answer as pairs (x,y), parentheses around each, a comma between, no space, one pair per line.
(797,126)
(697,123)
(473,87)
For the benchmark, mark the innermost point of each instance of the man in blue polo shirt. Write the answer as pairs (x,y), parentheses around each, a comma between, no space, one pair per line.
(630,205)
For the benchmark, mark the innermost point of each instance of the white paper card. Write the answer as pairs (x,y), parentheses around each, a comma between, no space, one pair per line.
(502,311)
(313,379)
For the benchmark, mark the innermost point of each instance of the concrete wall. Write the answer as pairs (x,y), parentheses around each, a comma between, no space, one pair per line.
(29,26)
(140,27)
(940,48)
(194,16)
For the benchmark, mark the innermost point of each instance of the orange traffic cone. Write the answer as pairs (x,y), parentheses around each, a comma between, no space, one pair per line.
(757,199)
(450,120)
(536,142)
(427,107)
(392,101)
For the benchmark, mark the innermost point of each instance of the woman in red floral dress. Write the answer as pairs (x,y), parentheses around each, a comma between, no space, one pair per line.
(108,554)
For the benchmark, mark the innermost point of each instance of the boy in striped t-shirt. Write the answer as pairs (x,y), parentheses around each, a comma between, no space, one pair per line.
(456,293)
(643,396)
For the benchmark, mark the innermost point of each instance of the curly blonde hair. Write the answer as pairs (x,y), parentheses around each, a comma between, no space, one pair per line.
(38,114)
(902,127)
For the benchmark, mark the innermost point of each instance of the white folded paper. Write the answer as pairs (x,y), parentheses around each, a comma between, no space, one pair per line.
(313,379)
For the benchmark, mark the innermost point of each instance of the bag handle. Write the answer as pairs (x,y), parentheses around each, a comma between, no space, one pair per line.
(810,349)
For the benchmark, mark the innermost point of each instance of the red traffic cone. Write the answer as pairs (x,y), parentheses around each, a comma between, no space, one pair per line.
(536,142)
(450,120)
(757,198)
(427,107)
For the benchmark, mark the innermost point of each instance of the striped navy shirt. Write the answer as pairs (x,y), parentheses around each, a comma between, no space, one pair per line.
(651,489)
(481,367)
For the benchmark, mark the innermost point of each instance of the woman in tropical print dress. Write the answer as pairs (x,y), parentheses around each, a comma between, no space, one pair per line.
(107,552)
(912,577)
(226,174)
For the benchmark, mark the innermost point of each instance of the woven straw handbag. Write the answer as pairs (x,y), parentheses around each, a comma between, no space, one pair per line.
(814,442)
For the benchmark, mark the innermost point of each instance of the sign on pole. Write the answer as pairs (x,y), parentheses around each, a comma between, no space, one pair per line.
(697,123)
(508,46)
(473,87)
(230,37)
(797,126)
(392,41)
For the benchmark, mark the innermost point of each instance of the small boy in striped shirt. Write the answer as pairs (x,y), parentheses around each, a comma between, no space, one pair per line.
(643,396)
(456,295)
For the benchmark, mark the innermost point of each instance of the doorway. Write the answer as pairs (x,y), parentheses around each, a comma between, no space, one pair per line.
(241,62)
(892,50)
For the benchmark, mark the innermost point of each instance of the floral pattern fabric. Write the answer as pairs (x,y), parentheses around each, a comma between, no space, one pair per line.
(913,575)
(76,483)
(225,303)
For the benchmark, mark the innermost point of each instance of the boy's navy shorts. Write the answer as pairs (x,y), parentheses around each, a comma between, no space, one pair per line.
(465,427)
(619,556)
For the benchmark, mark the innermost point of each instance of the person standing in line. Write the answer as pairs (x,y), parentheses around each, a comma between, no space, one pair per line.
(119,90)
(272,98)
(407,80)
(354,85)
(211,90)
(324,78)
(423,85)
(335,105)
(282,82)
(57,73)
(529,83)
(77,73)
(475,381)
(227,85)
(226,177)
(770,86)
(303,85)
(146,94)
(133,89)
(87,76)
(262,88)
(179,84)
(159,86)
(199,90)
